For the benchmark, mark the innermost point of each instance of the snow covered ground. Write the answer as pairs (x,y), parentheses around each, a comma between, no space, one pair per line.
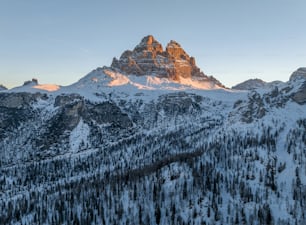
(189,153)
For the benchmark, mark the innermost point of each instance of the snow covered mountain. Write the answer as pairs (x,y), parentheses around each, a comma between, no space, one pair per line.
(256,84)
(142,143)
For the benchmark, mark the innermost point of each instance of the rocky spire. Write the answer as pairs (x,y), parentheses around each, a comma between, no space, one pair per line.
(149,44)
(149,58)
(175,50)
(143,60)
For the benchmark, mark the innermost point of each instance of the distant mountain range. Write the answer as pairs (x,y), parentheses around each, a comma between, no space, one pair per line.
(258,83)
(255,84)
(152,140)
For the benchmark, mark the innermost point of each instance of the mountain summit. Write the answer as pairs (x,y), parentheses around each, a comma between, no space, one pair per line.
(149,58)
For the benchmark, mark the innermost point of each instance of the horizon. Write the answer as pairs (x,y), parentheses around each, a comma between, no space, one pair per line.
(60,42)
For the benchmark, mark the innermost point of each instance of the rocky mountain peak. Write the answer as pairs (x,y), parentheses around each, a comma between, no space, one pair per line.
(149,58)
(149,43)
(175,50)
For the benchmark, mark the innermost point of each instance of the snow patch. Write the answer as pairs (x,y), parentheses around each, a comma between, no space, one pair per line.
(79,137)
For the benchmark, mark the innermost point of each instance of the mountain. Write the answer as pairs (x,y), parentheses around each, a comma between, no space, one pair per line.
(149,58)
(256,84)
(126,147)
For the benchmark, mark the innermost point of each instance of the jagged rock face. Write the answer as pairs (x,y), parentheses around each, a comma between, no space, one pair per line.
(149,58)
(70,110)
(63,100)
(146,58)
(299,73)
(19,100)
(300,95)
(178,104)
(148,43)
(184,66)
(108,112)
(15,108)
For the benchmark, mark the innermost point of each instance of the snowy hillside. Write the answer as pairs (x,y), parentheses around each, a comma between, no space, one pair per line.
(120,148)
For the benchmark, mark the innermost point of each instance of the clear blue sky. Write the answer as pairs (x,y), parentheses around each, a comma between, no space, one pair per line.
(60,41)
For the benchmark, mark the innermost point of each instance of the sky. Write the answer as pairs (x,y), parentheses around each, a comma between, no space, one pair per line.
(60,41)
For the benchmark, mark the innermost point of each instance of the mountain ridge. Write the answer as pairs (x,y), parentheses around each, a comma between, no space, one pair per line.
(256,83)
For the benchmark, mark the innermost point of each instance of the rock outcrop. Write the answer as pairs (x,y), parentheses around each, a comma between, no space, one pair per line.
(149,58)
(300,96)
(19,100)
(15,109)
(299,73)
